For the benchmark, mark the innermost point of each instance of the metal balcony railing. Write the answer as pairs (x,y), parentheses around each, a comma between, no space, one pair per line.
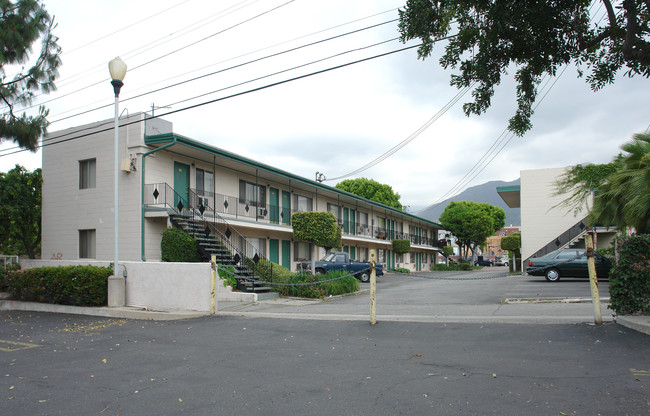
(217,205)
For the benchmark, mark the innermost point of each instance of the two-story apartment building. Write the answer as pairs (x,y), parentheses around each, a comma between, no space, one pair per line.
(164,175)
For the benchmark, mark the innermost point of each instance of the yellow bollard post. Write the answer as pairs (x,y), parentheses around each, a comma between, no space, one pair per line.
(593,279)
(213,284)
(373,288)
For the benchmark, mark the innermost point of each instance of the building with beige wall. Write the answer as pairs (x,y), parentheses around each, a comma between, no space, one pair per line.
(165,175)
(545,225)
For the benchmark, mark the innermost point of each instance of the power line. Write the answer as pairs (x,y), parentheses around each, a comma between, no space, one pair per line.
(158,42)
(236,66)
(500,141)
(264,87)
(169,53)
(406,141)
(232,67)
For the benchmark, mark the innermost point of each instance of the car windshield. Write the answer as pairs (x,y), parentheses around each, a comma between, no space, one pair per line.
(329,257)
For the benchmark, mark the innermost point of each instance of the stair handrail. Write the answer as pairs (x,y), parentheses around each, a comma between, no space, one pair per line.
(562,240)
(200,209)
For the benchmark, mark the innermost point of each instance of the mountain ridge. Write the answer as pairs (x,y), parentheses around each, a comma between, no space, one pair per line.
(486,193)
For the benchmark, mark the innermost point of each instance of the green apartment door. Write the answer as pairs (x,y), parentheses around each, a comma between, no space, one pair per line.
(286,254)
(286,208)
(274,205)
(274,251)
(181,184)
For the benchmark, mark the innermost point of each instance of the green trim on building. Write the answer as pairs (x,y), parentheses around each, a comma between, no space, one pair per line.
(167,138)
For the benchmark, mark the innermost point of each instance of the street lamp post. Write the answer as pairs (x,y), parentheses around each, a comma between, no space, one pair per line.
(116,283)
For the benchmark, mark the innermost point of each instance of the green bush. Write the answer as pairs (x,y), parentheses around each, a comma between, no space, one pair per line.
(333,288)
(319,228)
(3,274)
(465,266)
(454,267)
(64,285)
(179,246)
(271,272)
(401,246)
(401,270)
(227,273)
(629,280)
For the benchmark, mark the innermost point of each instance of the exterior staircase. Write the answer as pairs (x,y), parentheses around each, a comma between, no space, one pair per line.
(212,241)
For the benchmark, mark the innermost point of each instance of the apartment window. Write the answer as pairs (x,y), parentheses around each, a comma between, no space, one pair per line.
(252,194)
(87,175)
(204,182)
(301,251)
(254,246)
(362,254)
(86,244)
(334,209)
(302,203)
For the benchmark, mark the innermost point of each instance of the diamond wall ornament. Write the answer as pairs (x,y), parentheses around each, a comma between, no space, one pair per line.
(582,225)
(557,242)
(236,258)
(247,208)
(201,209)
(225,204)
(180,206)
(256,259)
(228,232)
(156,193)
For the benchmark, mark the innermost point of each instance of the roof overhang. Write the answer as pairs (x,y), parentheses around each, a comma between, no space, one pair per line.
(511,195)
(206,153)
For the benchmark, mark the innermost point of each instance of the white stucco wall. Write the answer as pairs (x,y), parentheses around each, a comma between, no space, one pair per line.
(540,222)
(161,286)
(68,209)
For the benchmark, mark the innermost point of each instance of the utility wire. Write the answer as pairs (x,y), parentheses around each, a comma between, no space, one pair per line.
(167,54)
(158,42)
(501,142)
(264,87)
(242,83)
(406,141)
(230,68)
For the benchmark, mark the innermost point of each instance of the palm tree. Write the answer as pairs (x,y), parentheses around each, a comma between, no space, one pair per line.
(624,199)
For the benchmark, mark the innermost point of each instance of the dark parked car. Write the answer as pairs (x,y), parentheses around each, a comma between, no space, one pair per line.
(483,262)
(567,263)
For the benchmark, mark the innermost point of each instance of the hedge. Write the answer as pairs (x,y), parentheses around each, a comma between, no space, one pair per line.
(401,246)
(319,228)
(629,280)
(179,246)
(63,285)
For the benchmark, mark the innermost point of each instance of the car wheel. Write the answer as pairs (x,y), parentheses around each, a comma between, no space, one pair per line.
(552,275)
(320,271)
(505,264)
(364,277)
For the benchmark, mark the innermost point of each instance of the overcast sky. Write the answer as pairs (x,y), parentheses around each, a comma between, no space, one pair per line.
(333,122)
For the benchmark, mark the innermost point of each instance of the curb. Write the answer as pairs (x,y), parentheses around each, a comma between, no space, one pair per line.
(637,323)
(127,312)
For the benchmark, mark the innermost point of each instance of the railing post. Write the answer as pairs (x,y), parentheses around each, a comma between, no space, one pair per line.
(213,285)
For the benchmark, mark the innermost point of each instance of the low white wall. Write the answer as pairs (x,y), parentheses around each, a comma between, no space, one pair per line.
(162,286)
(168,286)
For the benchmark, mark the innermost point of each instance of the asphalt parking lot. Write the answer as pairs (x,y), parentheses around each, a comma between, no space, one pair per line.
(444,344)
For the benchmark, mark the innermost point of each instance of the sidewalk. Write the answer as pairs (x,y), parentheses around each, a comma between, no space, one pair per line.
(356,308)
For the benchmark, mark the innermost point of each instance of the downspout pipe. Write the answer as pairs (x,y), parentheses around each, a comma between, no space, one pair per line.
(142,194)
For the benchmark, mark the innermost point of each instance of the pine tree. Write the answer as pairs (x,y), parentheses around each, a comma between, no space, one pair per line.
(22,24)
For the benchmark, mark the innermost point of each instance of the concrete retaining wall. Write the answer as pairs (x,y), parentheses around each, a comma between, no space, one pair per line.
(159,286)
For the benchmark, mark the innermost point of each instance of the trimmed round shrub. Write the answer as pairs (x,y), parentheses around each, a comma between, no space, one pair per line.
(179,246)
